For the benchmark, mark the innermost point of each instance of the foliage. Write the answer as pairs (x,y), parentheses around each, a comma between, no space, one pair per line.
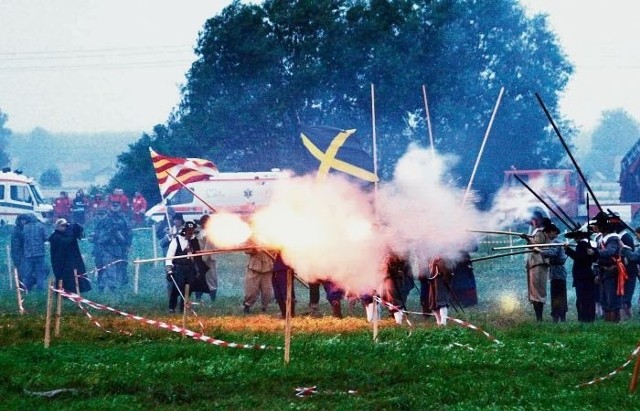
(263,69)
(51,177)
(5,134)
(616,132)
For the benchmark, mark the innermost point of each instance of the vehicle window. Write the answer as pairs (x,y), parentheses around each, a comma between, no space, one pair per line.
(1,192)
(21,193)
(182,196)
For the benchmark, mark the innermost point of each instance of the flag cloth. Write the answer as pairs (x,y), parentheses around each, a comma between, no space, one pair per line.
(185,170)
(337,149)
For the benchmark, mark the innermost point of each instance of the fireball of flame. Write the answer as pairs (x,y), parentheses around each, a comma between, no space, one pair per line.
(227,230)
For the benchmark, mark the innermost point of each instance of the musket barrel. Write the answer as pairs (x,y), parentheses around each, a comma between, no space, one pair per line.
(514,247)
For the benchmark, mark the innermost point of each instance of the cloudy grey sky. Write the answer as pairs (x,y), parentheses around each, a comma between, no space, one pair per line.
(97,65)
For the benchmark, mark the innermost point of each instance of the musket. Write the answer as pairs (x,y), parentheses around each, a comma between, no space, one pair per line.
(564,213)
(541,200)
(490,257)
(513,247)
(566,147)
(497,232)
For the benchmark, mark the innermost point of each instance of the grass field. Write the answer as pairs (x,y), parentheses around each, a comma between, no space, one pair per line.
(125,364)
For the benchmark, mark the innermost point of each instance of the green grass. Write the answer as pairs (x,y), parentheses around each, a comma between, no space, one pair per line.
(136,366)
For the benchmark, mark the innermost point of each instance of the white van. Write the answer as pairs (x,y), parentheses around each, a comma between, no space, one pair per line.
(238,193)
(19,194)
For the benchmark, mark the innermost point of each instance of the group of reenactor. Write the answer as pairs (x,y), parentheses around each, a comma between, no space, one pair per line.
(604,268)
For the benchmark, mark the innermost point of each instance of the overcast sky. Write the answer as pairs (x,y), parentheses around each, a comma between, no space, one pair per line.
(98,65)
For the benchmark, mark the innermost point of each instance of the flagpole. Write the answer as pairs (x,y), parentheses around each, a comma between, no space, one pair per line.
(484,141)
(426,109)
(193,192)
(375,147)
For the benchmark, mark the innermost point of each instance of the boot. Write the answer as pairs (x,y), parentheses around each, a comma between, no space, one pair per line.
(283,308)
(615,316)
(538,308)
(336,308)
(213,294)
(314,311)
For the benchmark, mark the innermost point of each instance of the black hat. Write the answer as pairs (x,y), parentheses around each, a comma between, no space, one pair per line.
(190,225)
(578,234)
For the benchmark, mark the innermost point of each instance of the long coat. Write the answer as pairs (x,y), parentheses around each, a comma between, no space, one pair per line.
(66,257)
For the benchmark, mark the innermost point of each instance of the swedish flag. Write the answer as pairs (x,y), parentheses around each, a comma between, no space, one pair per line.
(337,149)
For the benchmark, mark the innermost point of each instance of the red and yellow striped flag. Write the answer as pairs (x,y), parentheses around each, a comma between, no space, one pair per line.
(184,170)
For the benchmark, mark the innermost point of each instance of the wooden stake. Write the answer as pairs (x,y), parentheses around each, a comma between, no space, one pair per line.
(47,323)
(287,321)
(75,276)
(18,291)
(136,277)
(154,240)
(56,331)
(9,267)
(375,317)
(634,377)
(185,307)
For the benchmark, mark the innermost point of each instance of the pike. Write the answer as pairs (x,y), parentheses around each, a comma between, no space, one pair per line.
(513,247)
(566,147)
(542,201)
(576,226)
(490,257)
(497,232)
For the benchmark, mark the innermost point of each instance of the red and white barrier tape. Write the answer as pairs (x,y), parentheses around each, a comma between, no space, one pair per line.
(614,372)
(455,320)
(308,391)
(160,324)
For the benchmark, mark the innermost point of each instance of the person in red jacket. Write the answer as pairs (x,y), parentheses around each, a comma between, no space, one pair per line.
(119,196)
(139,206)
(62,206)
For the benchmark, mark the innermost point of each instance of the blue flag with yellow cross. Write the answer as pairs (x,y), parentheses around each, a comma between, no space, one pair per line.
(339,150)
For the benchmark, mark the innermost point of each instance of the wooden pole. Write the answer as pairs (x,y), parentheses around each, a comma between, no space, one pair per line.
(185,307)
(154,239)
(136,277)
(484,142)
(9,267)
(18,291)
(58,311)
(426,109)
(75,277)
(287,321)
(375,317)
(47,323)
(634,377)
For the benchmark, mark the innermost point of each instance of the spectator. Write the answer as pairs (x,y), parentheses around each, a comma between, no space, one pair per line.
(66,259)
(17,243)
(79,207)
(120,244)
(119,196)
(62,206)
(34,273)
(139,206)
(97,203)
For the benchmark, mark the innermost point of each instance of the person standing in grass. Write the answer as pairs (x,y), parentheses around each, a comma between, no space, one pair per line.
(66,259)
(182,271)
(33,268)
(17,244)
(257,280)
(537,268)
(279,281)
(555,257)
(609,248)
(583,276)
